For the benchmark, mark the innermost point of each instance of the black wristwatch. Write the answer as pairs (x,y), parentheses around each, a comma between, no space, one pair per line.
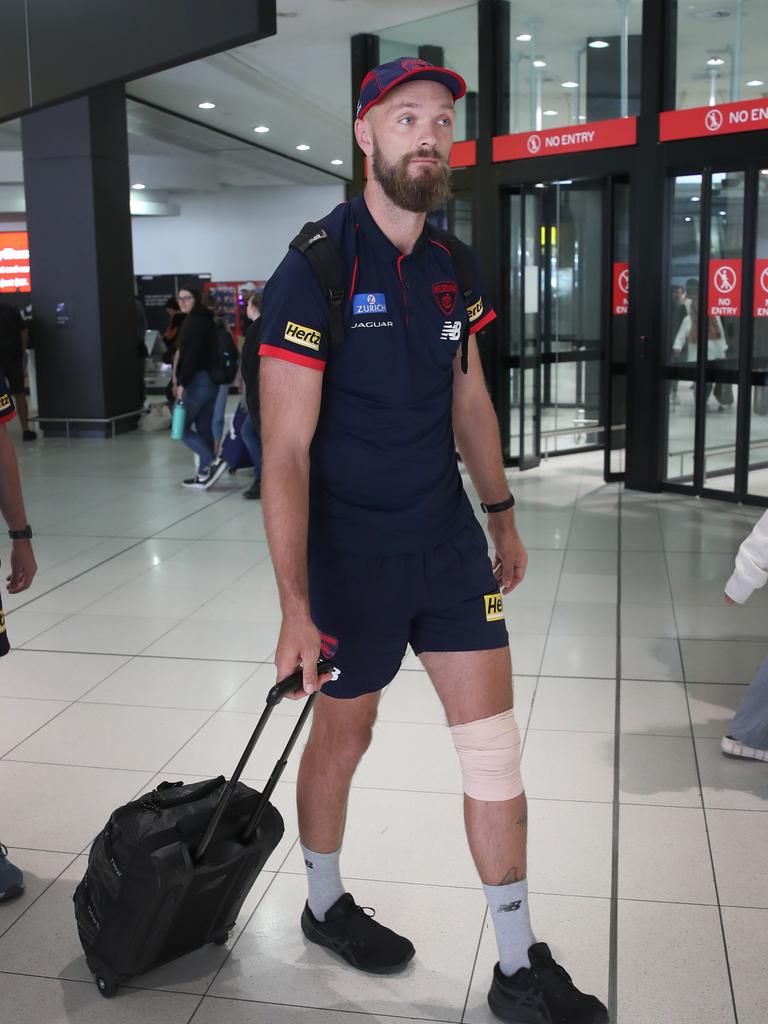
(500,506)
(25,534)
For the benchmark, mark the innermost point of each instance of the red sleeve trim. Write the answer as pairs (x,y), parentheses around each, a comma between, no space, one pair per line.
(292,357)
(489,317)
(7,419)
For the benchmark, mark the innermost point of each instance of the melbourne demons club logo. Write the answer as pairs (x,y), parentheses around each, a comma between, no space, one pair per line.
(534,144)
(328,646)
(764,280)
(713,120)
(725,280)
(623,282)
(412,63)
(445,293)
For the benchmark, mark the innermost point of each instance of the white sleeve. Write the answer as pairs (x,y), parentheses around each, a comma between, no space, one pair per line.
(682,334)
(751,570)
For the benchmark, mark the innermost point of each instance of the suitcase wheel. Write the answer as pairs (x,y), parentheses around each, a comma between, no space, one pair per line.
(106,985)
(221,940)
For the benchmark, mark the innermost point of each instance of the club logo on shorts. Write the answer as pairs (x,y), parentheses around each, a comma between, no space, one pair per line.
(306,336)
(2,621)
(475,311)
(445,293)
(328,646)
(494,607)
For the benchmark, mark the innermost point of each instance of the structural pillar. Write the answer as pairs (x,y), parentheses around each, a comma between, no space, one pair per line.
(77,188)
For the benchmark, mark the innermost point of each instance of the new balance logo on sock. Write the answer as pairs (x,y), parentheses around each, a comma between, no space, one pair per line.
(310,865)
(506,907)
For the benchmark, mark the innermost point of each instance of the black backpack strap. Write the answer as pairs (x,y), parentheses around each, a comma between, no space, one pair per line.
(325,261)
(464,278)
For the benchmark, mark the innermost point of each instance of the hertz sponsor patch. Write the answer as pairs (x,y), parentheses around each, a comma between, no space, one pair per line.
(475,311)
(494,607)
(5,403)
(306,336)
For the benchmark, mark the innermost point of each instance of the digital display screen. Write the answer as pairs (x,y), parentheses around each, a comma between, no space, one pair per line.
(14,262)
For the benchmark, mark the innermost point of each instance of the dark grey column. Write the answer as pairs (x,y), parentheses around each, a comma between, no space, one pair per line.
(78,216)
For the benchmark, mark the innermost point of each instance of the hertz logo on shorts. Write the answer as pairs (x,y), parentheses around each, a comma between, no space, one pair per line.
(2,621)
(5,403)
(494,607)
(475,311)
(306,336)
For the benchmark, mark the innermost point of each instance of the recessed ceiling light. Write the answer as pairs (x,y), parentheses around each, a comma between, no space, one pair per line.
(261,128)
(599,44)
(688,219)
(206,105)
(540,184)
(723,213)
(715,62)
(539,63)
(524,37)
(695,199)
(337,163)
(755,82)
(302,147)
(764,172)
(570,85)
(550,113)
(138,186)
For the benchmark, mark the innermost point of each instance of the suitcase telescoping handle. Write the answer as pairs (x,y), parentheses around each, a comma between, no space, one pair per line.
(275,695)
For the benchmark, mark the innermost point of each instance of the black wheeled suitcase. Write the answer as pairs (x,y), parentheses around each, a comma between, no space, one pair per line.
(170,871)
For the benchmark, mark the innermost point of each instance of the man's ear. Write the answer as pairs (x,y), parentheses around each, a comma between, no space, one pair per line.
(364,136)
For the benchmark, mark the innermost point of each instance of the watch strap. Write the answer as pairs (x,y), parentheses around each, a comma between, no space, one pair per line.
(499,506)
(25,534)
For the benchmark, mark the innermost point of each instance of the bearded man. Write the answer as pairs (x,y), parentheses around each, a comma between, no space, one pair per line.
(374,541)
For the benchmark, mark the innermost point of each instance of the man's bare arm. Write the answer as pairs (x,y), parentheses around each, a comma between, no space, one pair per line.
(476,431)
(290,398)
(23,565)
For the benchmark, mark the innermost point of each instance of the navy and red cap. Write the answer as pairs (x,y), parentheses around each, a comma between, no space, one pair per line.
(385,77)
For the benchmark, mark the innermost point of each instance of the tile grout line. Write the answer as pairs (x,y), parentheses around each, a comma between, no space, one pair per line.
(704,812)
(613,933)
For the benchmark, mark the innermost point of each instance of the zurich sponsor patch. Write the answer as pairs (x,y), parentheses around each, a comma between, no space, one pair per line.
(369,302)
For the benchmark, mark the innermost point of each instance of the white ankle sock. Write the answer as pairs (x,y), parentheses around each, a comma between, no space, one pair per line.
(324,878)
(512,921)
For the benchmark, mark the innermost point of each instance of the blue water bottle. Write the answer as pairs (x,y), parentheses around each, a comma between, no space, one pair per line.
(177,422)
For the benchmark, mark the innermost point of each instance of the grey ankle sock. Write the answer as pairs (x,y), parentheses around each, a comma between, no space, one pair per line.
(508,905)
(324,878)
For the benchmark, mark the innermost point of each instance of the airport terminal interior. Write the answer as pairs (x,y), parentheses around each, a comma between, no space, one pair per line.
(610,171)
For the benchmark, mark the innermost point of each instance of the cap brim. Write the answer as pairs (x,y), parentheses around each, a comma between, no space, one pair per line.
(450,79)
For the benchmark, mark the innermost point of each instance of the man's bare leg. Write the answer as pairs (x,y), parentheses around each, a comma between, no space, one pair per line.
(22,408)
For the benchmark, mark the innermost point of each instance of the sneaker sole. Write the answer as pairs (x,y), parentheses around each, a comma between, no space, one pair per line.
(11,894)
(740,752)
(319,939)
(523,1015)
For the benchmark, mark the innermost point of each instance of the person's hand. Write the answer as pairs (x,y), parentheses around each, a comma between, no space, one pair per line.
(511,558)
(728,600)
(23,567)
(299,647)
(179,392)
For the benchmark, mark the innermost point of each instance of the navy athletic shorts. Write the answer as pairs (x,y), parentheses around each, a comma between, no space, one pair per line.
(443,599)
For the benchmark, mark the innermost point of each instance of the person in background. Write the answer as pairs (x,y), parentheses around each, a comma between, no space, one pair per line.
(748,736)
(195,387)
(23,569)
(221,398)
(171,341)
(251,431)
(13,342)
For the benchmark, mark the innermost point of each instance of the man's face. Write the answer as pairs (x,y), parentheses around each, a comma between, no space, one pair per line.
(679,294)
(408,138)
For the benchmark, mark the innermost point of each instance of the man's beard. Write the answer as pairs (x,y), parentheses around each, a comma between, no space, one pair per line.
(421,193)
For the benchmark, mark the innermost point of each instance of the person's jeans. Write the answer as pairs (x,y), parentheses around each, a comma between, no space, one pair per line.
(218,413)
(199,403)
(252,442)
(750,724)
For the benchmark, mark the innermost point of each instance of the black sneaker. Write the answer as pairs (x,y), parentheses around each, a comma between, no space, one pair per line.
(542,994)
(254,491)
(351,932)
(198,482)
(29,435)
(215,470)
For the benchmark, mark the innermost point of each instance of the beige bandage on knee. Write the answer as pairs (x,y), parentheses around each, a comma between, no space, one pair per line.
(489,752)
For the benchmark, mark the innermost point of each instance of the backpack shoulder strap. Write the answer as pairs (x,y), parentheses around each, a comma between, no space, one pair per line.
(324,259)
(464,278)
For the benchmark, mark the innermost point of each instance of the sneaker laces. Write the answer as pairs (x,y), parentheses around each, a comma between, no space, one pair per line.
(554,972)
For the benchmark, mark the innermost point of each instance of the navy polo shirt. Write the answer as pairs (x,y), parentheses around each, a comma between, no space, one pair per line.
(383,476)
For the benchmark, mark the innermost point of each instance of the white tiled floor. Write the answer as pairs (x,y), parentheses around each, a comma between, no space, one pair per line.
(143,651)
